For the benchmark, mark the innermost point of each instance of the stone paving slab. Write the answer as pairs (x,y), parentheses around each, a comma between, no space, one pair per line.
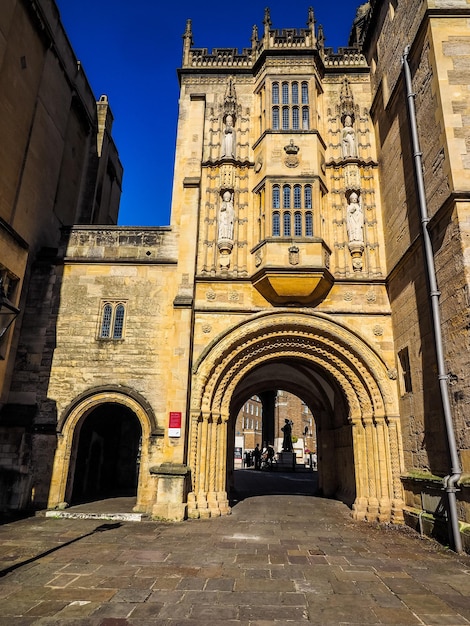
(277,559)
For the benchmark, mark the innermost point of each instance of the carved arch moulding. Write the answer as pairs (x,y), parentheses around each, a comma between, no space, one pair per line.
(327,346)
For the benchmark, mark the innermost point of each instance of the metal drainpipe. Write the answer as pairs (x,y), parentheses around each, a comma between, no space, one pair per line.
(450,480)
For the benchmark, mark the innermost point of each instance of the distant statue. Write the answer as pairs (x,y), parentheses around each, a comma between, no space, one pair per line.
(228,139)
(226,216)
(287,441)
(355,219)
(348,139)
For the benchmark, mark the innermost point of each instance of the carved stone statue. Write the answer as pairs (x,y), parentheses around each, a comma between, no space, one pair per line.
(228,139)
(355,219)
(348,139)
(226,215)
(287,440)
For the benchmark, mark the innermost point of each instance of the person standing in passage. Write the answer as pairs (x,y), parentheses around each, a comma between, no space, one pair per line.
(257,457)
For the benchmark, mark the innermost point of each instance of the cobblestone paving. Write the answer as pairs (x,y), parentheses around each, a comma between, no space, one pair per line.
(278,559)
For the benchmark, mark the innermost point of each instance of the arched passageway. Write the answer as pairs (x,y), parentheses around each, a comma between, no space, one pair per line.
(101,448)
(343,380)
(324,398)
(108,454)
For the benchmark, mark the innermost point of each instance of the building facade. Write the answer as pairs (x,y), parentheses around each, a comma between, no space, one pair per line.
(296,260)
(59,167)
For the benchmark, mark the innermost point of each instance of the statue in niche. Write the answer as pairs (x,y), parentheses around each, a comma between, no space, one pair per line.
(355,219)
(348,139)
(226,216)
(228,139)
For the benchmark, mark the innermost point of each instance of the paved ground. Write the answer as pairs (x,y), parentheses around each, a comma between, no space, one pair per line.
(278,559)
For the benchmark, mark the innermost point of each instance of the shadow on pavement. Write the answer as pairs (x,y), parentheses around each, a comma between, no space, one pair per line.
(249,483)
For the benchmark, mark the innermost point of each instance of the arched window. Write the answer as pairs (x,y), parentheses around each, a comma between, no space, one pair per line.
(295,93)
(295,118)
(106,321)
(298,224)
(287,230)
(275,118)
(275,93)
(276,225)
(276,197)
(305,120)
(308,197)
(308,224)
(112,320)
(285,93)
(304,93)
(297,197)
(118,322)
(285,118)
(286,197)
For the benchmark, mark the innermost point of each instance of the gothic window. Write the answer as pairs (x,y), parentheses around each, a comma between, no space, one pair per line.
(287,230)
(112,320)
(295,93)
(308,197)
(290,116)
(305,120)
(308,224)
(276,225)
(118,322)
(299,198)
(285,93)
(275,118)
(295,118)
(276,197)
(285,118)
(286,197)
(275,92)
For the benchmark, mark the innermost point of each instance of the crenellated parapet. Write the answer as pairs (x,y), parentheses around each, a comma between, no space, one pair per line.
(220,58)
(302,39)
(345,57)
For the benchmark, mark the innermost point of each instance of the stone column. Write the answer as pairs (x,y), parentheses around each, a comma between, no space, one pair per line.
(397,464)
(201,493)
(370,438)
(360,468)
(383,470)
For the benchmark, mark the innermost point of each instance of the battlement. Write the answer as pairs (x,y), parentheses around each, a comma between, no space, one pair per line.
(345,57)
(288,39)
(291,38)
(220,57)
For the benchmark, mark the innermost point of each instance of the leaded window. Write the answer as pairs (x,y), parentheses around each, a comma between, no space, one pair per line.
(112,320)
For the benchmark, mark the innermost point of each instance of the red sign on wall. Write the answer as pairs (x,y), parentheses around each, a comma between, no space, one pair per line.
(174,426)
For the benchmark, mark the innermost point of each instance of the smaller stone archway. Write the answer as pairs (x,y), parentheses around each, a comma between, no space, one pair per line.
(329,352)
(133,409)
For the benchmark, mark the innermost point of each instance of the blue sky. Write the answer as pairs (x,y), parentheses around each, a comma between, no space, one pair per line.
(130,51)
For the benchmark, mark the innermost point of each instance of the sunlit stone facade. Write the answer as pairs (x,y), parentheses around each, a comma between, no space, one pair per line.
(293,261)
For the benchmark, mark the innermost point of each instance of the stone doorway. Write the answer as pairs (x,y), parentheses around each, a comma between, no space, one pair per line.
(108,454)
(102,449)
(346,385)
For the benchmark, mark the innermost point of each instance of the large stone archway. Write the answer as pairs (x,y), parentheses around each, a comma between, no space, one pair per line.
(324,346)
(67,442)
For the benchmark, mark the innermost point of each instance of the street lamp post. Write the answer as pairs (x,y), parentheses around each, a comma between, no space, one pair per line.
(8,311)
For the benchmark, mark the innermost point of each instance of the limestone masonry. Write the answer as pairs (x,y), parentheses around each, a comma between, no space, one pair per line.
(296,260)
